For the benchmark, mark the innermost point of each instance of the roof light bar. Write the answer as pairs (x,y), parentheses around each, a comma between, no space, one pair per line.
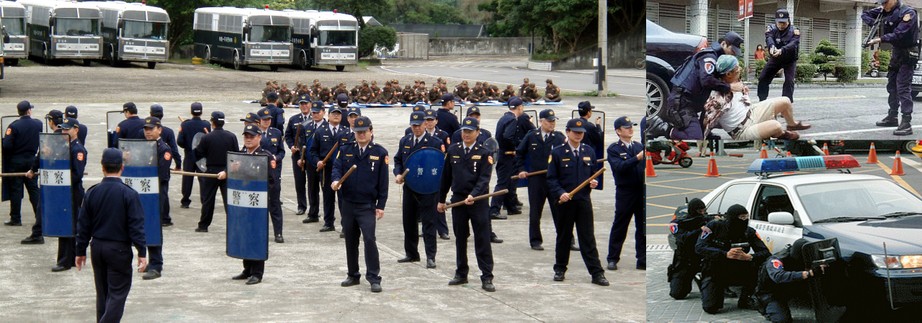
(791,164)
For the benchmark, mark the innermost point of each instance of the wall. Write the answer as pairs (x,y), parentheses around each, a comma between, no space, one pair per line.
(622,53)
(413,46)
(517,46)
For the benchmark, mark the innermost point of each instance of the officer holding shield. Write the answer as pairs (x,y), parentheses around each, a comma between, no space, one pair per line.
(71,112)
(781,278)
(153,130)
(20,145)
(187,131)
(214,148)
(416,204)
(324,139)
(534,151)
(132,126)
(364,196)
(272,142)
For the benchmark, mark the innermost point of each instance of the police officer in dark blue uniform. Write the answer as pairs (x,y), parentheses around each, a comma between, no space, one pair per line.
(781,278)
(467,171)
(691,86)
(324,139)
(448,121)
(509,133)
(626,160)
(169,138)
(685,262)
(900,28)
(132,126)
(153,130)
(572,164)
(20,145)
(295,135)
(187,131)
(253,270)
(783,42)
(364,196)
(534,150)
(214,148)
(271,140)
(472,112)
(442,225)
(593,136)
(342,100)
(313,176)
(71,112)
(278,114)
(66,245)
(725,248)
(112,219)
(416,205)
(431,127)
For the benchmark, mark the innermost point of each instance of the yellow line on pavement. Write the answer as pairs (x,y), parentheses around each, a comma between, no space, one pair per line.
(660,216)
(670,187)
(657,224)
(679,193)
(899,180)
(662,206)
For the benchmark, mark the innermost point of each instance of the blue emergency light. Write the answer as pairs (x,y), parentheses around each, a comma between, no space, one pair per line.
(791,164)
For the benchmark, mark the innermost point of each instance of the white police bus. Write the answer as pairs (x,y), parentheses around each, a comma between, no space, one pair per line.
(134,32)
(324,38)
(63,30)
(13,18)
(242,36)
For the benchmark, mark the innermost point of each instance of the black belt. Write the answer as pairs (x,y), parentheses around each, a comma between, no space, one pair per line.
(739,128)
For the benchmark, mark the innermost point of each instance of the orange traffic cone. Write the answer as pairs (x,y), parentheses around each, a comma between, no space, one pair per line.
(763,153)
(712,167)
(872,155)
(897,169)
(649,167)
(825,150)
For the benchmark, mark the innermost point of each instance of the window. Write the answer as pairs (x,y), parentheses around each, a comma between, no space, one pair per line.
(145,30)
(856,199)
(337,38)
(76,27)
(735,194)
(771,199)
(270,34)
(13,26)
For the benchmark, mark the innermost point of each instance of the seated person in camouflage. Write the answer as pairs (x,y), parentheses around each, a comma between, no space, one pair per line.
(551,92)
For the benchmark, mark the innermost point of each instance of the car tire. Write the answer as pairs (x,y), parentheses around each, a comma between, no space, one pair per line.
(907,146)
(657,92)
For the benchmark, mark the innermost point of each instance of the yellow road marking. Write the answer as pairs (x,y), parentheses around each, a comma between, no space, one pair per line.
(674,194)
(898,180)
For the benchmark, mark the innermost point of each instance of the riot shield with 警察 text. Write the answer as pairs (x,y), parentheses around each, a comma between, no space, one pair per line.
(247,209)
(425,170)
(55,189)
(828,287)
(140,160)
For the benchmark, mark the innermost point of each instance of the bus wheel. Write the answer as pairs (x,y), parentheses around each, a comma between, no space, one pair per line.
(208,55)
(340,67)
(303,61)
(87,62)
(237,63)
(151,65)
(274,68)
(113,61)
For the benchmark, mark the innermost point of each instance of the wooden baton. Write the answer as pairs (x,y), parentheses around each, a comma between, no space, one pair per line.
(329,154)
(183,173)
(478,198)
(584,183)
(13,174)
(545,171)
(345,177)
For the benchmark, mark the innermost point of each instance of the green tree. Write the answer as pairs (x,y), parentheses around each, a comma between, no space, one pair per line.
(372,36)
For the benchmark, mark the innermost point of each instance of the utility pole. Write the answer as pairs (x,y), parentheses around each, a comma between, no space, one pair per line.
(603,48)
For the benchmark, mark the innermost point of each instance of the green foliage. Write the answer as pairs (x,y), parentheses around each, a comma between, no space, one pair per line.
(804,73)
(846,74)
(865,61)
(376,35)
(884,60)
(826,57)
(426,12)
(828,49)
(760,64)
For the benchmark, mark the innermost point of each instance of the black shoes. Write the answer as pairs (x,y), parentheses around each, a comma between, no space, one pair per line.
(515,211)
(407,259)
(376,287)
(350,281)
(641,266)
(458,280)
(166,224)
(151,274)
(497,216)
(888,121)
(559,276)
(253,280)
(310,220)
(487,285)
(242,276)
(200,229)
(430,263)
(59,268)
(184,206)
(327,229)
(599,279)
(495,239)
(279,238)
(301,211)
(746,302)
(33,240)
(573,247)
(612,265)
(13,223)
(905,128)
(444,236)
(537,247)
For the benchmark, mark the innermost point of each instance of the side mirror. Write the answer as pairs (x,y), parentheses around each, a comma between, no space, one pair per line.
(781,218)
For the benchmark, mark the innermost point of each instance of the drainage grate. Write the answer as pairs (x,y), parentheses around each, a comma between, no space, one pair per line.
(658,248)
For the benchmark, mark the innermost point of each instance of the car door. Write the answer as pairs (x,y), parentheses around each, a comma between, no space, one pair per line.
(739,193)
(774,198)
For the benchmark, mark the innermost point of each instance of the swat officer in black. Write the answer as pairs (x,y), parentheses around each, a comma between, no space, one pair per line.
(364,196)
(781,278)
(448,121)
(900,28)
(783,42)
(508,135)
(133,126)
(685,262)
(112,219)
(416,205)
(169,138)
(71,112)
(303,161)
(727,261)
(324,139)
(467,171)
(295,135)
(214,148)
(271,140)
(153,130)
(533,151)
(278,114)
(627,168)
(570,165)
(187,131)
(20,145)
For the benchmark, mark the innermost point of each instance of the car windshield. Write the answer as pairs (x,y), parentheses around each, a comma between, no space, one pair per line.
(856,199)
(13,26)
(76,27)
(260,34)
(145,30)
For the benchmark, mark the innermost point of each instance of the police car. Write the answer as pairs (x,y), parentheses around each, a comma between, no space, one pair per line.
(878,223)
(916,80)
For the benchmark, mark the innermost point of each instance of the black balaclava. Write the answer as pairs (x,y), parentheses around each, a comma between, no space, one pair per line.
(737,226)
(795,259)
(694,207)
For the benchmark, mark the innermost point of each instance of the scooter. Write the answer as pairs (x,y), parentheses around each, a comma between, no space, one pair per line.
(677,153)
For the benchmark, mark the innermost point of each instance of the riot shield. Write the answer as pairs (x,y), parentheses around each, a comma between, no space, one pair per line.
(5,122)
(425,170)
(828,286)
(112,120)
(141,174)
(203,162)
(56,201)
(247,209)
(493,146)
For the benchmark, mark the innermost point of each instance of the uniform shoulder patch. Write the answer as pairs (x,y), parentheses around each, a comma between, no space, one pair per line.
(80,156)
(776,263)
(117,129)
(272,163)
(796,32)
(710,65)
(9,131)
(769,29)
(490,159)
(907,17)
(673,228)
(167,156)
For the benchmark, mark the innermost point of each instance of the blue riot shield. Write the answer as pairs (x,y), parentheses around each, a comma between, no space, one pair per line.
(140,160)
(56,206)
(425,170)
(247,209)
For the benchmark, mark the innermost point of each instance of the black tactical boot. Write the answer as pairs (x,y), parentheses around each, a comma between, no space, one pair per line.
(656,127)
(888,121)
(905,128)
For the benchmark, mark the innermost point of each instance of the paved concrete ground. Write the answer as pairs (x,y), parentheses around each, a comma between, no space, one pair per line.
(303,274)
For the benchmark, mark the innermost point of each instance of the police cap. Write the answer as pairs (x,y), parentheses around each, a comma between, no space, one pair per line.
(575,125)
(70,111)
(151,122)
(69,123)
(470,124)
(416,118)
(547,114)
(362,124)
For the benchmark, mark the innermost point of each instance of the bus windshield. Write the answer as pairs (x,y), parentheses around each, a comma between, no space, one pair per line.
(337,38)
(76,27)
(145,30)
(13,26)
(270,34)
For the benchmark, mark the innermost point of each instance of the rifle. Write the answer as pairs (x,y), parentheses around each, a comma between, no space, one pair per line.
(875,29)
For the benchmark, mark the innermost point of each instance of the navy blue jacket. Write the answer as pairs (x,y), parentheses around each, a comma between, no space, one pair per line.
(899,26)
(324,140)
(448,121)
(170,139)
(111,211)
(566,171)
(187,130)
(273,163)
(368,184)
(406,148)
(278,117)
(787,40)
(214,147)
(697,75)
(484,135)
(713,247)
(82,134)
(273,142)
(773,276)
(627,170)
(466,174)
(130,128)
(534,153)
(21,139)
(164,159)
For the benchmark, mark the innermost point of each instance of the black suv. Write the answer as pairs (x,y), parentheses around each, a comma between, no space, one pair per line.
(666,51)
